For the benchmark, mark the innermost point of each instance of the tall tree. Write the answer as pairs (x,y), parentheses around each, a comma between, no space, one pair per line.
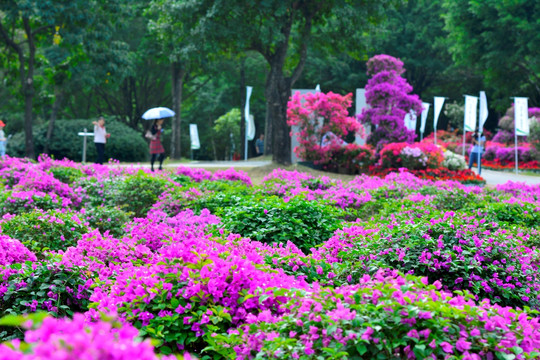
(27,25)
(281,31)
(501,40)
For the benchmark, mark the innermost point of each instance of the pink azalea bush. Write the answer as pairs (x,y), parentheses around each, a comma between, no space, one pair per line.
(324,122)
(411,156)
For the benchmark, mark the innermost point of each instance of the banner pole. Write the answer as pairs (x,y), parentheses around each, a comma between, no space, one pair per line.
(479,153)
(516,148)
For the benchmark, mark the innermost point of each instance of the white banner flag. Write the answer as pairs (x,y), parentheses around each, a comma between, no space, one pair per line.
(194,136)
(438,102)
(483,111)
(249,89)
(425,107)
(521,116)
(250,131)
(469,119)
(410,120)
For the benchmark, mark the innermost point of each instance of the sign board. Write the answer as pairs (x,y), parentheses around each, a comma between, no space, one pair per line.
(194,136)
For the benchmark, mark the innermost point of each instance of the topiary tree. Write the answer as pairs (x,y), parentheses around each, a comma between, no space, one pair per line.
(389,97)
(227,134)
(505,134)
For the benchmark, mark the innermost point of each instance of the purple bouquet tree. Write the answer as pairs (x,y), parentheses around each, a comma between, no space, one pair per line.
(389,97)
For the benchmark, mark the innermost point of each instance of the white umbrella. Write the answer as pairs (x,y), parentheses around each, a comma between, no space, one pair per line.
(158,113)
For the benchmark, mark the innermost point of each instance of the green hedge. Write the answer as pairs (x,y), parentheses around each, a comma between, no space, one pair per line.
(125,144)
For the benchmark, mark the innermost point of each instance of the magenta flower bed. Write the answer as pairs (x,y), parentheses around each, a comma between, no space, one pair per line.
(416,268)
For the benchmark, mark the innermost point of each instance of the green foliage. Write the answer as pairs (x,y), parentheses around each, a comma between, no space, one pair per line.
(534,137)
(274,220)
(40,231)
(66,174)
(125,144)
(227,133)
(455,113)
(42,287)
(108,218)
(140,191)
(19,205)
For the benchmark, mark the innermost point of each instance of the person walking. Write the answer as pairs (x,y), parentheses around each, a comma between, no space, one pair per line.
(156,148)
(477,151)
(3,140)
(100,138)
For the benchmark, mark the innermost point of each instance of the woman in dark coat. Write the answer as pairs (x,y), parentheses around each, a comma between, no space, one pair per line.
(156,148)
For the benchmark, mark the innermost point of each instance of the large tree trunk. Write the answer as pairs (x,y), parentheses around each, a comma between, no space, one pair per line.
(277,138)
(54,114)
(28,101)
(178,74)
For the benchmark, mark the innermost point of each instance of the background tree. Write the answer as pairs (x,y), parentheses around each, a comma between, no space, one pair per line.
(501,41)
(26,25)
(281,31)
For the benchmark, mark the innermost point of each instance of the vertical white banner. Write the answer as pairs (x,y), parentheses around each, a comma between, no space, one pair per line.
(425,111)
(469,119)
(521,116)
(194,136)
(482,117)
(438,102)
(250,130)
(410,120)
(249,89)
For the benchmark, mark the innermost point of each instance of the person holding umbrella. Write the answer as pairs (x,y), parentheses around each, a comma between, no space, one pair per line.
(157,152)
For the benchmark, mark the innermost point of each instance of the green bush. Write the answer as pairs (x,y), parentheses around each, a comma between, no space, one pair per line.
(16,203)
(42,287)
(138,192)
(66,174)
(125,144)
(51,230)
(108,218)
(273,220)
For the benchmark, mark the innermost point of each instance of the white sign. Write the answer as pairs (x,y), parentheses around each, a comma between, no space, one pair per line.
(250,131)
(410,120)
(483,111)
(194,136)
(425,107)
(438,102)
(469,119)
(521,116)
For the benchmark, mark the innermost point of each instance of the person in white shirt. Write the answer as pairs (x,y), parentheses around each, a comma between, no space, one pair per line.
(100,138)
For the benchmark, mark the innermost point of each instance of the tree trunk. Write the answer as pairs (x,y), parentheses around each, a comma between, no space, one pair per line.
(178,74)
(277,136)
(54,113)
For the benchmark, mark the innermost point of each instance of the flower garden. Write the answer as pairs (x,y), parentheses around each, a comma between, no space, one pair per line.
(105,262)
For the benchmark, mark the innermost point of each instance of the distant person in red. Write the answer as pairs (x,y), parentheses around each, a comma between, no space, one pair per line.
(100,138)
(156,148)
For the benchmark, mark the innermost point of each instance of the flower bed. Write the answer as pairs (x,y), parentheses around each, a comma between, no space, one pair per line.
(135,264)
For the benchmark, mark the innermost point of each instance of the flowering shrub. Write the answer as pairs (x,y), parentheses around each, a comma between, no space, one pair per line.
(190,272)
(50,338)
(411,156)
(12,251)
(50,230)
(453,161)
(413,320)
(389,99)
(323,122)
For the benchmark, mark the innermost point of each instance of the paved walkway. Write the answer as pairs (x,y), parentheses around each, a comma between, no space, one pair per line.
(500,177)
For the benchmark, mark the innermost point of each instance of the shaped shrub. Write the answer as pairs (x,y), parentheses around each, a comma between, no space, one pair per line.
(50,230)
(274,220)
(411,156)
